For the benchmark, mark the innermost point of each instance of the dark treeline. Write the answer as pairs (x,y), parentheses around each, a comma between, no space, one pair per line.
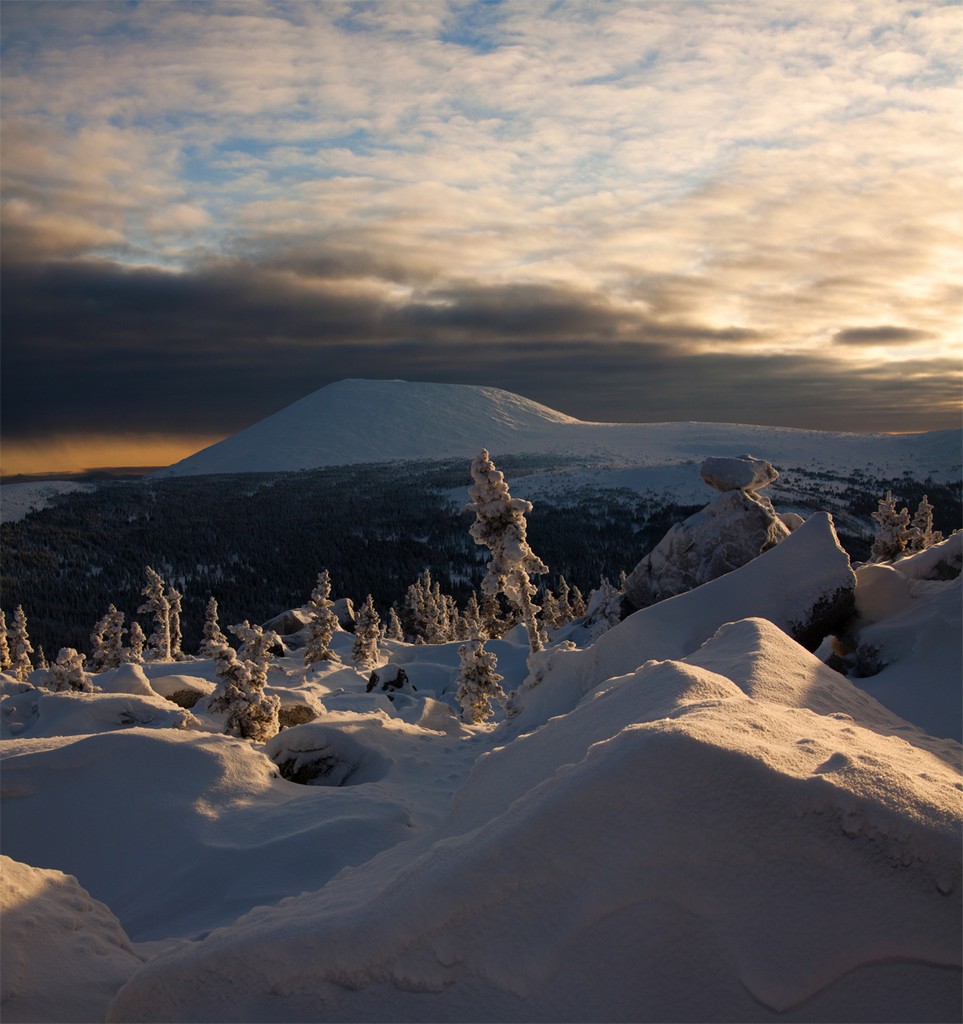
(257,541)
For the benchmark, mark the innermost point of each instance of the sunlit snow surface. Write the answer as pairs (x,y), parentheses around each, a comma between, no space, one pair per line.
(694,819)
(357,421)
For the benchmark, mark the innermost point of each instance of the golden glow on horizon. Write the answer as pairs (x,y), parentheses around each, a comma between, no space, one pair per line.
(76,453)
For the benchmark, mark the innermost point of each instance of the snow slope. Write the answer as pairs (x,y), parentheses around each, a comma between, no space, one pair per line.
(357,421)
(18,500)
(692,819)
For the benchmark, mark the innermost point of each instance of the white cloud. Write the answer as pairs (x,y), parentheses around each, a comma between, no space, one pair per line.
(788,168)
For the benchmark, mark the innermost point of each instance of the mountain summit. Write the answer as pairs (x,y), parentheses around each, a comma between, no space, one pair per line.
(358,421)
(354,421)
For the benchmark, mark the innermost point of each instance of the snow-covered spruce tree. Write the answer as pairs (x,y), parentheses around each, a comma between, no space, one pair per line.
(604,608)
(174,602)
(20,647)
(41,657)
(922,534)
(4,646)
(255,649)
(67,672)
(500,526)
(158,605)
(211,636)
(551,613)
(577,602)
(393,631)
(323,623)
(134,654)
(472,625)
(367,633)
(107,641)
(251,713)
(892,530)
(478,682)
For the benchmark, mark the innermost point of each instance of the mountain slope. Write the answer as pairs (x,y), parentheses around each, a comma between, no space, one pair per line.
(358,421)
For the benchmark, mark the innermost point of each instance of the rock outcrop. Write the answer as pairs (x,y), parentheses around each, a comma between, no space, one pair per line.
(736,526)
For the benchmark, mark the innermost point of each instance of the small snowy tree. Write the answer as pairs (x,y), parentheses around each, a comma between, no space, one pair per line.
(107,641)
(551,612)
(174,602)
(394,630)
(892,531)
(923,535)
(478,682)
(255,649)
(211,636)
(323,623)
(604,609)
(577,602)
(158,605)
(367,633)
(472,624)
(500,526)
(41,657)
(67,672)
(251,713)
(5,661)
(20,647)
(134,654)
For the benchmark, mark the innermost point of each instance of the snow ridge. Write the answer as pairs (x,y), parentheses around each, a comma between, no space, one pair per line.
(359,421)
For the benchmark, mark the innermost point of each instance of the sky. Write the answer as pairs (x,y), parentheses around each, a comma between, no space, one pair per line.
(718,211)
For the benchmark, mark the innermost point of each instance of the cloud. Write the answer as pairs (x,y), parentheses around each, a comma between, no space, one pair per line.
(95,348)
(883,335)
(266,194)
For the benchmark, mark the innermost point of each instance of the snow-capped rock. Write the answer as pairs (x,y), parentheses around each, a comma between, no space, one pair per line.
(804,585)
(738,473)
(734,528)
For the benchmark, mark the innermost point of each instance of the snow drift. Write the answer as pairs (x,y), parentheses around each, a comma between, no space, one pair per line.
(798,865)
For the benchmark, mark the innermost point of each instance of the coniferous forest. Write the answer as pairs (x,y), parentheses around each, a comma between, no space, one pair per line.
(256,541)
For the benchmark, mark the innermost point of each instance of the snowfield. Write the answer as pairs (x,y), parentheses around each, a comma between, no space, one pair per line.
(690,818)
(357,421)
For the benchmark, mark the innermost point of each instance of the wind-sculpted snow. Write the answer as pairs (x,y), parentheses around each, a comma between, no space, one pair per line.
(792,585)
(670,848)
(178,832)
(692,819)
(64,954)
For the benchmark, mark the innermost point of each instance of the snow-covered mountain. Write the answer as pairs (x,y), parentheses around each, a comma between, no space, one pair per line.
(359,421)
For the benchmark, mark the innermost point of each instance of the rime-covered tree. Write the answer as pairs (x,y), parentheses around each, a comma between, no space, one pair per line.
(107,641)
(478,682)
(20,646)
(565,613)
(211,636)
(5,661)
(551,612)
(393,630)
(41,657)
(923,535)
(367,633)
(134,654)
(892,530)
(255,649)
(322,624)
(67,672)
(577,602)
(472,625)
(500,526)
(251,713)
(604,608)
(157,605)
(175,601)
